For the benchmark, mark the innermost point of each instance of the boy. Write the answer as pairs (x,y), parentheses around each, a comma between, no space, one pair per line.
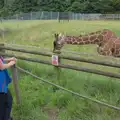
(5,95)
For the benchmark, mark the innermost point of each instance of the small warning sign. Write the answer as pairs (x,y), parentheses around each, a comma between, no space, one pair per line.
(54,59)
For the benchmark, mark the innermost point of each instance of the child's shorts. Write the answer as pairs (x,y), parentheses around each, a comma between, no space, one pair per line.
(5,105)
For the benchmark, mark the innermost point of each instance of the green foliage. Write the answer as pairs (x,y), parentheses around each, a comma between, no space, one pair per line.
(81,6)
(61,98)
(37,95)
(2,4)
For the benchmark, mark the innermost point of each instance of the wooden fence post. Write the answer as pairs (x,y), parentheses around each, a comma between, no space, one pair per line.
(15,83)
(57,69)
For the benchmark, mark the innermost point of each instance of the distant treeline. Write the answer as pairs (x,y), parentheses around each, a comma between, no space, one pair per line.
(10,7)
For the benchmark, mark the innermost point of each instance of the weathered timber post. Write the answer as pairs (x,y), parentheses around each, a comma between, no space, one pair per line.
(58,69)
(15,83)
(56,61)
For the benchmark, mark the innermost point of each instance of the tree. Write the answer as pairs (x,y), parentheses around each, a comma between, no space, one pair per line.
(82,6)
(115,4)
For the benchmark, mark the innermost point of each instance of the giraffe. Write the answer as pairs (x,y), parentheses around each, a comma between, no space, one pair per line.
(98,37)
(110,48)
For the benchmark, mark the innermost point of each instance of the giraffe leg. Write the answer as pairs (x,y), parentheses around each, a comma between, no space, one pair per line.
(102,51)
(106,53)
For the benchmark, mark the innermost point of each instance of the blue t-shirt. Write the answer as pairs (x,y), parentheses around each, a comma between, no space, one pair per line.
(5,79)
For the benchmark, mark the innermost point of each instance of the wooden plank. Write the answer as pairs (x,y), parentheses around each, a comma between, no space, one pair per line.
(74,58)
(68,66)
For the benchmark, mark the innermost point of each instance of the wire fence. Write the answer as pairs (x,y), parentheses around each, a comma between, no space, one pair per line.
(49,15)
(69,91)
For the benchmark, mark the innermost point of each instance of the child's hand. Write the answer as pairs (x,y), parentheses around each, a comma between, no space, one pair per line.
(5,66)
(11,63)
(13,59)
(10,59)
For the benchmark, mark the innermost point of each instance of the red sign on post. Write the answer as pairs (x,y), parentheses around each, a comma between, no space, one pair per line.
(54,59)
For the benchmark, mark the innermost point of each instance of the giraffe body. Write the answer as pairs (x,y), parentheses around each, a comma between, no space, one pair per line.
(110,48)
(98,37)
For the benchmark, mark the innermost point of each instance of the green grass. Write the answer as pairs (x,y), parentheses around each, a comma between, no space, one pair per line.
(43,102)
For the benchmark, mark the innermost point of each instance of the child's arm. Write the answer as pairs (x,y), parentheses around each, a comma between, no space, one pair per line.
(10,59)
(5,66)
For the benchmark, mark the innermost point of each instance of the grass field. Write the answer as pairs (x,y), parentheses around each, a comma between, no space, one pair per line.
(45,102)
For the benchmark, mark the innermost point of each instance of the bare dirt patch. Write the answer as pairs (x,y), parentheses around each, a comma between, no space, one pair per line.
(52,113)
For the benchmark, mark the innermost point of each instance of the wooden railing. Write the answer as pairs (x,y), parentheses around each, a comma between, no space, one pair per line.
(3,49)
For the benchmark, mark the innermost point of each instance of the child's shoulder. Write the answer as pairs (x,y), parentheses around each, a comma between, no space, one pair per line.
(1,59)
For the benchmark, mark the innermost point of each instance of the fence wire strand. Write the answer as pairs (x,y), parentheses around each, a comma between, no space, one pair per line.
(67,90)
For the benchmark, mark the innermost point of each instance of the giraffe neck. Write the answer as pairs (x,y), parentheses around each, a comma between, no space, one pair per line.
(81,40)
(97,37)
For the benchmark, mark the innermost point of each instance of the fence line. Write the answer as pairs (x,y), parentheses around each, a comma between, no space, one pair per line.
(49,54)
(67,66)
(49,15)
(64,50)
(69,91)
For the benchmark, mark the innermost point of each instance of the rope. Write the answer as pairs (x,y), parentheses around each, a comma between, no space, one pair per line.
(67,90)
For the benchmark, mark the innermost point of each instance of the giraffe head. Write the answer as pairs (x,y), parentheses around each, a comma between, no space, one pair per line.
(58,42)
